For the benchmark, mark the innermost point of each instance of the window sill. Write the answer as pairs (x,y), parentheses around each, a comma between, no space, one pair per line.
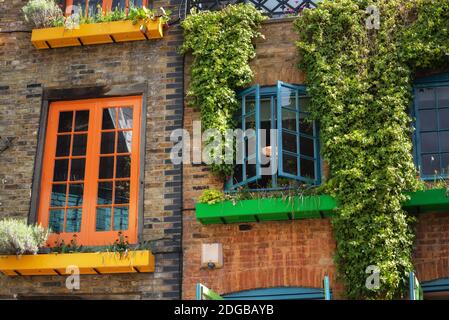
(308,207)
(88,263)
(96,33)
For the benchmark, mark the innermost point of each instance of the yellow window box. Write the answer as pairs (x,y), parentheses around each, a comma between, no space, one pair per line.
(96,33)
(88,263)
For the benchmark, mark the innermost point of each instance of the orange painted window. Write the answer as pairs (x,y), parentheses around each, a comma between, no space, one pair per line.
(90,175)
(89,7)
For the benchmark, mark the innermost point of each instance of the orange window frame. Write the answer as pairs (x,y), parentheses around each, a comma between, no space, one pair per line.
(88,234)
(106,6)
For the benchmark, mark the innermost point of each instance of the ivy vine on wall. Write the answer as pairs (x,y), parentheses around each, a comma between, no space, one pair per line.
(221,45)
(360,81)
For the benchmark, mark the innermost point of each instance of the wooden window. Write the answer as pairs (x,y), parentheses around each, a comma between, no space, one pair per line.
(89,7)
(90,174)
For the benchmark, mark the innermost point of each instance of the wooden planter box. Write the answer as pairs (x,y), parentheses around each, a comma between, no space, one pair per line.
(96,33)
(88,263)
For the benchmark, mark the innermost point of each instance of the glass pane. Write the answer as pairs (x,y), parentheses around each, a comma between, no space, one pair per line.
(250,104)
(94,7)
(304,104)
(65,121)
(250,122)
(290,164)
(250,170)
(75,198)
(443,97)
(250,146)
(123,167)
(61,170)
(77,169)
(288,98)
(63,145)
(444,118)
(79,144)
(106,167)
(108,118)
(289,120)
(238,172)
(125,118)
(103,219)
(444,141)
(430,164)
(119,4)
(428,119)
(58,193)
(82,120)
(426,98)
(124,141)
(104,193)
(289,142)
(107,142)
(121,192)
(56,221)
(305,124)
(73,222)
(429,142)
(135,3)
(121,218)
(445,163)
(307,169)
(306,146)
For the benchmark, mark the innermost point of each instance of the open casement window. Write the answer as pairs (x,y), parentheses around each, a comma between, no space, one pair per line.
(91,7)
(286,146)
(90,176)
(431,110)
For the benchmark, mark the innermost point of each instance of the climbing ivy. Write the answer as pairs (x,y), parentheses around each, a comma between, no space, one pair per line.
(221,45)
(360,81)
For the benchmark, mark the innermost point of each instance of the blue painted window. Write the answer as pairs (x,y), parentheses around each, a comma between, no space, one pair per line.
(280,293)
(431,111)
(283,109)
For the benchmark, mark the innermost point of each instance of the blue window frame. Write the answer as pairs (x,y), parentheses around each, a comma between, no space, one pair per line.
(431,138)
(284,108)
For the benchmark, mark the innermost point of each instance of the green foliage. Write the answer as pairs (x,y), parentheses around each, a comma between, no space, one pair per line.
(138,14)
(61,247)
(360,83)
(17,237)
(221,45)
(42,13)
(211,196)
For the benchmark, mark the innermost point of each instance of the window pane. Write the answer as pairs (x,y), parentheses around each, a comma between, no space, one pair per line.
(304,104)
(289,142)
(444,141)
(290,164)
(104,193)
(81,120)
(445,163)
(93,7)
(61,169)
(443,97)
(289,120)
(75,198)
(428,119)
(123,167)
(106,167)
(250,104)
(107,142)
(426,98)
(119,4)
(65,121)
(121,218)
(77,169)
(125,118)
(58,193)
(124,141)
(103,219)
(79,144)
(238,172)
(444,118)
(73,222)
(307,147)
(56,221)
(429,142)
(307,169)
(108,118)
(121,192)
(250,170)
(305,124)
(430,164)
(288,98)
(63,145)
(250,122)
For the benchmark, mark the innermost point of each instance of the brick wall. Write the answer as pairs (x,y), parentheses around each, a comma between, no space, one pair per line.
(25,72)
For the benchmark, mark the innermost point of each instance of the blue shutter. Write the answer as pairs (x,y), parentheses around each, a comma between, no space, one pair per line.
(327,290)
(297,141)
(249,168)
